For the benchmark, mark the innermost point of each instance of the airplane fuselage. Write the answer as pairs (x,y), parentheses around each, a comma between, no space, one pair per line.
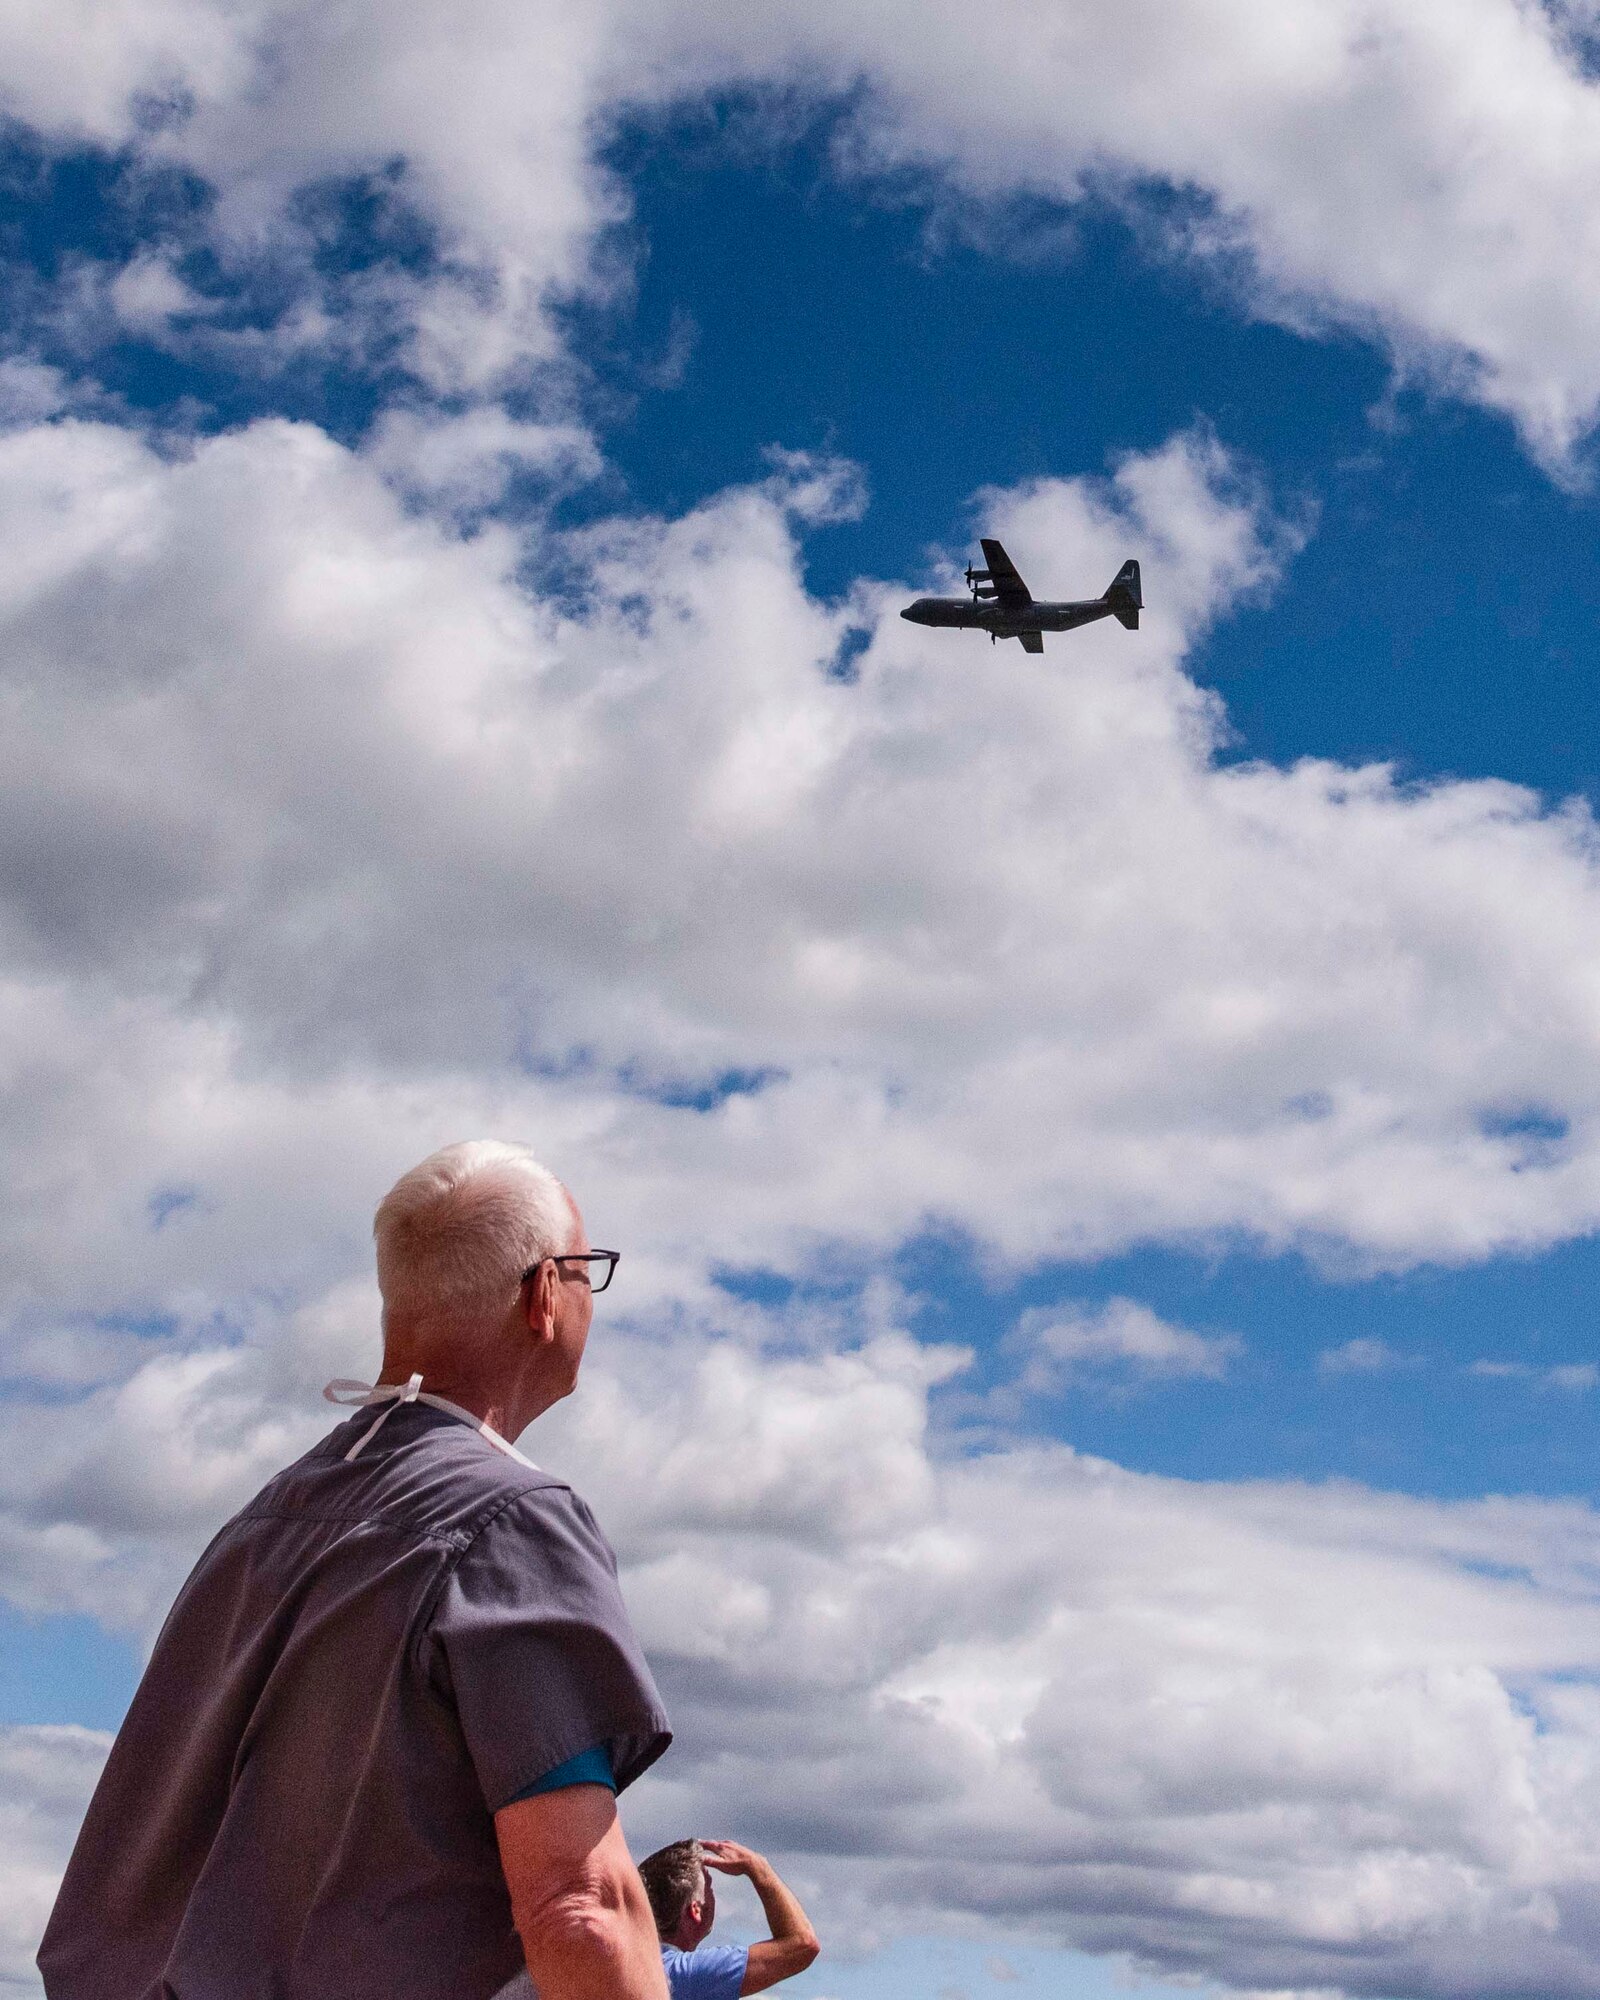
(1002,605)
(1007,622)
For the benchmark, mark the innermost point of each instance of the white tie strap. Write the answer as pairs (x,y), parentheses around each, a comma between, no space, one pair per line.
(393,1394)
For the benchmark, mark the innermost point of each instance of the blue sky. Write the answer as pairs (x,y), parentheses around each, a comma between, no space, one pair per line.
(1439,615)
(461,751)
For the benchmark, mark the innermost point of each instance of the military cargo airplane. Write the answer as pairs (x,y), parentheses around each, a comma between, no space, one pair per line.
(1004,607)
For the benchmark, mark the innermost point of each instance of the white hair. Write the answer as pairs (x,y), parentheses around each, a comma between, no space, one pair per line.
(456,1233)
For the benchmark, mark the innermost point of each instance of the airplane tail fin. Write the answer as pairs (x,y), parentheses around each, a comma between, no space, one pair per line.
(1126,595)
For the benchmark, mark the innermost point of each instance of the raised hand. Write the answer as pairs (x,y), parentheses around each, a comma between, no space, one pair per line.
(729,1858)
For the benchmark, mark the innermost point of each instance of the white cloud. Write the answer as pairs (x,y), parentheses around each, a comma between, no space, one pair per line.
(1364,1355)
(1288,1736)
(46,1775)
(1572,1376)
(1294,1737)
(30,391)
(146,294)
(321,836)
(465,461)
(88,71)
(322,841)
(1061,1344)
(1419,172)
(1412,170)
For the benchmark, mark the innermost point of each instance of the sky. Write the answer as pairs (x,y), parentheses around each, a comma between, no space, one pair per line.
(1098,1407)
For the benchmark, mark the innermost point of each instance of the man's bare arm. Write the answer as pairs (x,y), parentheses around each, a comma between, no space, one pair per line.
(793,1943)
(579,1905)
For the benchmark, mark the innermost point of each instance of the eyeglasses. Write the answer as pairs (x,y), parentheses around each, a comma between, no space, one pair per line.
(597,1281)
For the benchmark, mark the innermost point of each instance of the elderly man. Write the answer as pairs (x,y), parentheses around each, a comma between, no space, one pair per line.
(382,1729)
(684,1903)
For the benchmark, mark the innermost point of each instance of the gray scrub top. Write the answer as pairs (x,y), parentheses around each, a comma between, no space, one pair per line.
(366,1664)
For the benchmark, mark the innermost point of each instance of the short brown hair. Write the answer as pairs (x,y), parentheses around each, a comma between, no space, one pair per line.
(673,1877)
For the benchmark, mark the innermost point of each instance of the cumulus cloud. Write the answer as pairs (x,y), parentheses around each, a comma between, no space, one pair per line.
(1286,1736)
(1364,1355)
(321,835)
(323,840)
(1290,1736)
(46,1776)
(1059,1345)
(463,462)
(29,390)
(146,294)
(1573,1376)
(1421,173)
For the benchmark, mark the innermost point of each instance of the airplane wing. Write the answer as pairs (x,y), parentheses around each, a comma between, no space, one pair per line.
(1009,587)
(1032,642)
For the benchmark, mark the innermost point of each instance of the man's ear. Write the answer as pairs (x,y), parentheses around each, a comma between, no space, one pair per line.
(541,1306)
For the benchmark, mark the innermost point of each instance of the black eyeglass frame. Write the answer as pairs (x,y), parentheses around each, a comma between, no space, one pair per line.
(610,1258)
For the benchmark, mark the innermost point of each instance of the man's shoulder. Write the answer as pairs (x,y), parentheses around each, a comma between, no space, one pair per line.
(709,1972)
(425,1474)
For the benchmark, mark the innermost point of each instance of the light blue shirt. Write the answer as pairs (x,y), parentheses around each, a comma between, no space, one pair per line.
(709,1972)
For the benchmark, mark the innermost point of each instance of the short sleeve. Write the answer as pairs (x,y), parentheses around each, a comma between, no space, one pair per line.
(589,1767)
(531,1643)
(709,1972)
